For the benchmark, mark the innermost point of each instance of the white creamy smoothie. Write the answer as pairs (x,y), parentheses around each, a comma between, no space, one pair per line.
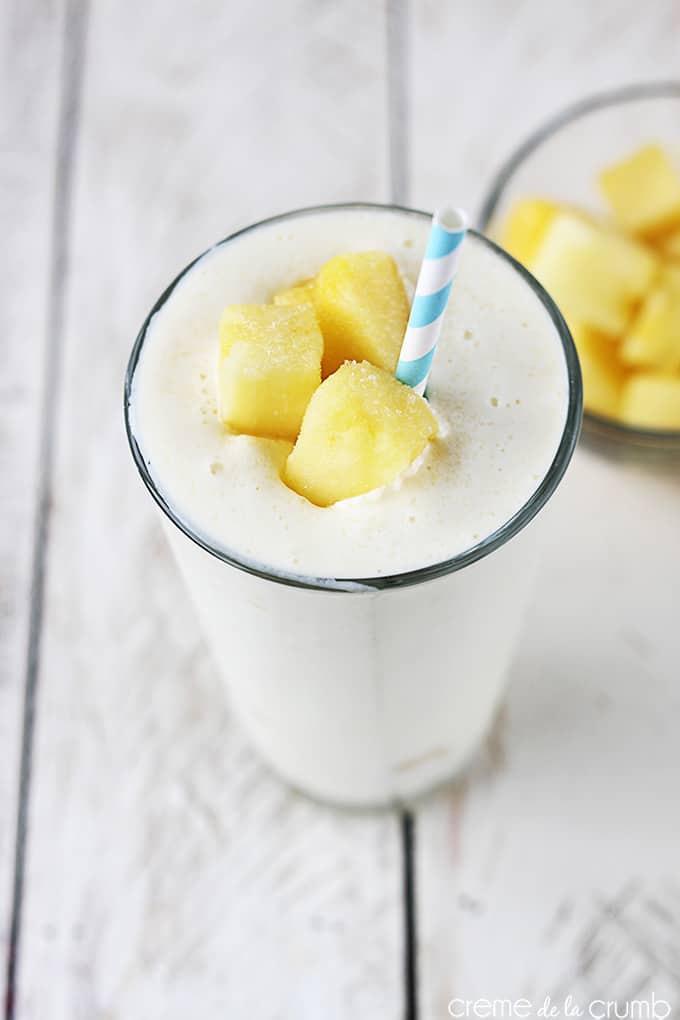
(357,694)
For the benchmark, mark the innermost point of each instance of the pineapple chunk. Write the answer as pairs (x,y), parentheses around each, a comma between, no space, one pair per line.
(651,400)
(301,294)
(525,227)
(268,368)
(363,310)
(593,274)
(603,376)
(643,191)
(653,340)
(361,429)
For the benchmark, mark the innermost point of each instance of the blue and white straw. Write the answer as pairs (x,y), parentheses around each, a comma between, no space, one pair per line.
(449,227)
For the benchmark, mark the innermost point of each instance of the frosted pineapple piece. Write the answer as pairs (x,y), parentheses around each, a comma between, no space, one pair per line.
(594,275)
(643,191)
(525,227)
(363,310)
(361,429)
(603,375)
(301,294)
(651,400)
(653,340)
(268,368)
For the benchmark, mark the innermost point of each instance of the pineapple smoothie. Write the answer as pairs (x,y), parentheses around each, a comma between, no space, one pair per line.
(360,576)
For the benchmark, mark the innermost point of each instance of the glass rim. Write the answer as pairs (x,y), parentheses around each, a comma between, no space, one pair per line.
(431,572)
(641,91)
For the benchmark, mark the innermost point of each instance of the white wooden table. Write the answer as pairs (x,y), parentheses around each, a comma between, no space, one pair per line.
(157,869)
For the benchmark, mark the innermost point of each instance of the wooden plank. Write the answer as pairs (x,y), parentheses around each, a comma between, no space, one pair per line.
(485,75)
(29,44)
(545,871)
(168,873)
(549,869)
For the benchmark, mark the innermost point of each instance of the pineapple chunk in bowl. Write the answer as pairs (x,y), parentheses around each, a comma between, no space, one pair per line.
(591,204)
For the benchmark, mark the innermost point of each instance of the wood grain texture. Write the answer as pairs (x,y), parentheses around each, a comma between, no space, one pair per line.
(552,867)
(549,868)
(29,56)
(168,873)
(488,73)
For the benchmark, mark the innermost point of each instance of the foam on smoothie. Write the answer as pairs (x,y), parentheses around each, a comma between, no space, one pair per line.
(498,387)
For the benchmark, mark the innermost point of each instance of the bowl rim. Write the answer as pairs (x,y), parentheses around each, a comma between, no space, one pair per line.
(509,528)
(670,89)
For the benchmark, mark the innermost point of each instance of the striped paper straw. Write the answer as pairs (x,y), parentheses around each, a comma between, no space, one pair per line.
(449,227)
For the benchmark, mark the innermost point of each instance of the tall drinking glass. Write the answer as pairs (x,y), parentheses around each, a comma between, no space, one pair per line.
(367,690)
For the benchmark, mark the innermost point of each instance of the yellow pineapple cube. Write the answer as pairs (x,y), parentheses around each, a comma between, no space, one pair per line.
(643,191)
(603,375)
(301,294)
(268,368)
(651,400)
(363,310)
(361,429)
(653,340)
(525,227)
(594,275)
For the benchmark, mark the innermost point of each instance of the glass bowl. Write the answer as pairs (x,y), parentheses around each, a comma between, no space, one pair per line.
(561,160)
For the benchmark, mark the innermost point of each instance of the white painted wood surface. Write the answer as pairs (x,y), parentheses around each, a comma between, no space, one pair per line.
(486,74)
(29,57)
(552,868)
(168,874)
